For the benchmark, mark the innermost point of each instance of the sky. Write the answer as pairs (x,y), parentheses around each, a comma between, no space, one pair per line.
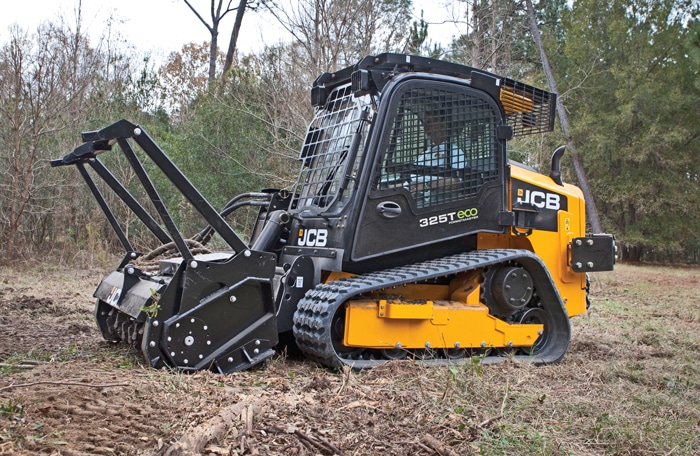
(159,27)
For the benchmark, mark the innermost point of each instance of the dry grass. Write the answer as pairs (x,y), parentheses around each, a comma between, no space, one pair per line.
(630,384)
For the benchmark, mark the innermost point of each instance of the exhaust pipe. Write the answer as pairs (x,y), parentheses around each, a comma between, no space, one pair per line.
(555,172)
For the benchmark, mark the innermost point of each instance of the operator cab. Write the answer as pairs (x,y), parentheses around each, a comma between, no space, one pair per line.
(405,152)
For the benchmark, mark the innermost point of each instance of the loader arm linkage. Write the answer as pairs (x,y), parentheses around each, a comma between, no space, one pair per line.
(212,311)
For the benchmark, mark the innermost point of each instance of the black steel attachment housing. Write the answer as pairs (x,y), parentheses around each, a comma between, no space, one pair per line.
(197,311)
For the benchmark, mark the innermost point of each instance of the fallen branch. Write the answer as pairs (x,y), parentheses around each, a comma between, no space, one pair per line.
(195,439)
(20,366)
(436,445)
(488,421)
(89,385)
(249,420)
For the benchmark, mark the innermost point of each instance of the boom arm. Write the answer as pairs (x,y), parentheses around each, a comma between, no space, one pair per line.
(120,132)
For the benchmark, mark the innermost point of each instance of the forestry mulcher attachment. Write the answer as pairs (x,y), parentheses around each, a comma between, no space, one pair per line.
(408,234)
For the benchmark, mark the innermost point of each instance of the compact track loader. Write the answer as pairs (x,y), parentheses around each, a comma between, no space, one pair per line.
(408,234)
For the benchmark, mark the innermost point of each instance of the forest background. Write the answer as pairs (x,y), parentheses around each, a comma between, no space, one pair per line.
(628,73)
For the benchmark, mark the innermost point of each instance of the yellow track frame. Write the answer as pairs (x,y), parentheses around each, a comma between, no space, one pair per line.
(391,323)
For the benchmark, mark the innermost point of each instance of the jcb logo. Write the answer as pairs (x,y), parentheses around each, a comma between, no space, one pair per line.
(114,295)
(313,237)
(539,199)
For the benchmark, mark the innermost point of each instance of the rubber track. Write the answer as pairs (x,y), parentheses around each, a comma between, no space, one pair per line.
(312,319)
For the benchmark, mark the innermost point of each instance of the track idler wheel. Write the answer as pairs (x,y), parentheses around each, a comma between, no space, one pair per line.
(537,315)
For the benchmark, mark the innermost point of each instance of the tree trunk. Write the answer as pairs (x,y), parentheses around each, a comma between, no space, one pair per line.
(213,52)
(234,38)
(593,218)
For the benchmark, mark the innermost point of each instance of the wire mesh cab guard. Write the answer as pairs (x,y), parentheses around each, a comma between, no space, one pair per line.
(332,151)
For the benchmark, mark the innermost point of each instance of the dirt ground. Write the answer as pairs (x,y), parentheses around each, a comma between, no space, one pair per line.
(629,384)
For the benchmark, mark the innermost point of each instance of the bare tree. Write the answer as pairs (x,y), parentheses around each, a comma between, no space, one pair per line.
(490,35)
(44,81)
(217,12)
(332,33)
(591,209)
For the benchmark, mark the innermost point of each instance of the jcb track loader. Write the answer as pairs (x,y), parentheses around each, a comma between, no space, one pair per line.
(408,234)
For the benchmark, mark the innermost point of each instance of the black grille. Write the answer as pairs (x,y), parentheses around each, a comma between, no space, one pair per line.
(442,146)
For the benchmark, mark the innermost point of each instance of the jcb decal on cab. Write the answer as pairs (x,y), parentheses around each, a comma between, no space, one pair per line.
(313,237)
(545,202)
(526,194)
(451,217)
(542,200)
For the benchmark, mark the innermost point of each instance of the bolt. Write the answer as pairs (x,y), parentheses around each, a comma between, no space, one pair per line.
(398,345)
(155,323)
(578,265)
(232,298)
(578,242)
(246,253)
(205,327)
(191,320)
(510,344)
(133,255)
(539,332)
(186,361)
(172,354)
(483,345)
(193,264)
(137,131)
(427,345)
(201,356)
(208,342)
(130,270)
(170,339)
(177,325)
(257,342)
(152,344)
(589,242)
(189,341)
(256,351)
(457,344)
(589,264)
(230,360)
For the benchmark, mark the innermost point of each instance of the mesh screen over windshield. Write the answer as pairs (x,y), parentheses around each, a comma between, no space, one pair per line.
(442,146)
(326,152)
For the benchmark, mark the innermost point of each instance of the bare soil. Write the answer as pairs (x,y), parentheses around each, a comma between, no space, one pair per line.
(629,384)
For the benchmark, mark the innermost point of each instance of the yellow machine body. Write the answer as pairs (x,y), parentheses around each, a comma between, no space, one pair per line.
(447,317)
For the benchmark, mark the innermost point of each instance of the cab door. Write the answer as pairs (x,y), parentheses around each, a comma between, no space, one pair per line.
(439,170)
